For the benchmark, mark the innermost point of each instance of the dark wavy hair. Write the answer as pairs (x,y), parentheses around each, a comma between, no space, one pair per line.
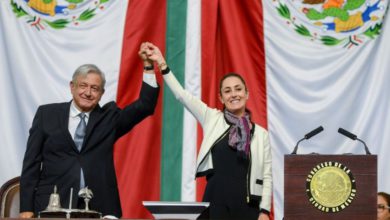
(386,197)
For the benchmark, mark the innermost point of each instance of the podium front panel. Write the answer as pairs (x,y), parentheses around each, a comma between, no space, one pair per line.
(297,169)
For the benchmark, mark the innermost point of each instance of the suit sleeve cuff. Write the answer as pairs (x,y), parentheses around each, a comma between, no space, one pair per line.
(264,211)
(150,79)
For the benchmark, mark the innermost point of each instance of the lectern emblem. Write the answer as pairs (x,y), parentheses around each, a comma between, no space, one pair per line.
(330,186)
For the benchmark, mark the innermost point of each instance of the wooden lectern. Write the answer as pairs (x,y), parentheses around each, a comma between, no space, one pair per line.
(304,171)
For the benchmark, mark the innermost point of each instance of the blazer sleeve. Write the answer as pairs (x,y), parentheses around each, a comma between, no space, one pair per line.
(267,175)
(31,164)
(135,112)
(193,104)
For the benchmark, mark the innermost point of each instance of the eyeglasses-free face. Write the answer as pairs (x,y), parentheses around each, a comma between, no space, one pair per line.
(87,91)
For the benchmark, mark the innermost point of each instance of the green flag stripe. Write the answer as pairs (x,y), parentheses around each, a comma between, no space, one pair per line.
(172,138)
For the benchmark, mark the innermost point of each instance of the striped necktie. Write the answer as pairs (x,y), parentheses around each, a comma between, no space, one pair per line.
(80,132)
(78,140)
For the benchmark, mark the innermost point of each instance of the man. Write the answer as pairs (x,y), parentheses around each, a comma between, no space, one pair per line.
(59,153)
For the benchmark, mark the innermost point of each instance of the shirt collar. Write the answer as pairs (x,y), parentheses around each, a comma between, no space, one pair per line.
(74,111)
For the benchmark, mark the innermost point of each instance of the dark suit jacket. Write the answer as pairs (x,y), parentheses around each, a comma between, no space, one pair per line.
(52,158)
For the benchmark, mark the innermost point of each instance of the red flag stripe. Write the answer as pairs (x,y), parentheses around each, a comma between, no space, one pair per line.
(137,155)
(232,41)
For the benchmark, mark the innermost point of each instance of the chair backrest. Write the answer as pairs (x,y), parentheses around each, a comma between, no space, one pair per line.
(9,198)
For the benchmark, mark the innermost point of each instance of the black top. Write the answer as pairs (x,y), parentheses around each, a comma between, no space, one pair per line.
(226,188)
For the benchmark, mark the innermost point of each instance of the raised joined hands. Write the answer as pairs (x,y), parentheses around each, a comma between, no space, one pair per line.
(151,53)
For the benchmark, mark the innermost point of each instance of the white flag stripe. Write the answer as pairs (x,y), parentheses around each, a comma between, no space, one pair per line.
(37,66)
(192,84)
(309,84)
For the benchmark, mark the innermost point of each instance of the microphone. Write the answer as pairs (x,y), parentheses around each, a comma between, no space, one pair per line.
(347,134)
(308,136)
(314,132)
(354,137)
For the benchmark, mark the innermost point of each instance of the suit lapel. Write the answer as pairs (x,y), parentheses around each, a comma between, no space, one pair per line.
(64,123)
(94,117)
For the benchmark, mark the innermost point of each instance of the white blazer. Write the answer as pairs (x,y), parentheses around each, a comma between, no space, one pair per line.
(214,126)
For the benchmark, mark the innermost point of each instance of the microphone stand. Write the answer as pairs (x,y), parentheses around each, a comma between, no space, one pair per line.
(296,146)
(365,146)
(354,137)
(307,136)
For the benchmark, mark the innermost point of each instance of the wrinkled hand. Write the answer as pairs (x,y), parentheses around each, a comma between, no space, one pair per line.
(26,214)
(153,53)
(263,216)
(142,54)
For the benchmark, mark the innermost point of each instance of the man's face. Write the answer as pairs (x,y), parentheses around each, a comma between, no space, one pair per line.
(87,91)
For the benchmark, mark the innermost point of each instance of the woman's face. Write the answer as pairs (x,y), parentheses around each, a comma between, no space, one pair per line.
(383,210)
(234,95)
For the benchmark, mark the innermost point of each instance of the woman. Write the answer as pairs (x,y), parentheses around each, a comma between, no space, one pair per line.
(235,154)
(383,206)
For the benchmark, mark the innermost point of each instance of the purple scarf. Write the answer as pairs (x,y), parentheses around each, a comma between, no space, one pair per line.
(240,133)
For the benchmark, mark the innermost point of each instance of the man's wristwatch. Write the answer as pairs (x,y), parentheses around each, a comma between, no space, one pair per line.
(149,67)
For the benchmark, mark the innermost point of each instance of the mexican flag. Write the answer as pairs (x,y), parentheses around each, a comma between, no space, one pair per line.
(306,64)
(200,48)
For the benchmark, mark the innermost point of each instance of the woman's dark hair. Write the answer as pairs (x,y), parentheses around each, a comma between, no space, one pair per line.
(231,75)
(385,196)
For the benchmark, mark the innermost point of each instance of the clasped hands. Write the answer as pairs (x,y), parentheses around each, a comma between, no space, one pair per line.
(150,53)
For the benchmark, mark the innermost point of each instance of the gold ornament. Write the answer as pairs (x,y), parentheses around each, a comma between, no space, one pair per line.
(330,187)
